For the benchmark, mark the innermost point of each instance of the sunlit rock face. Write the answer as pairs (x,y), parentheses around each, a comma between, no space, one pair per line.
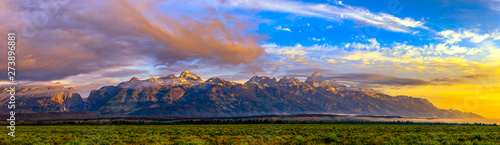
(190,76)
(262,80)
(287,81)
(52,98)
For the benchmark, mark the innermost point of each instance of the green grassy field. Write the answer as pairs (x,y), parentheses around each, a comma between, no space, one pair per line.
(255,134)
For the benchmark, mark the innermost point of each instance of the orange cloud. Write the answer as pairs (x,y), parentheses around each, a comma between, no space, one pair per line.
(95,35)
(211,40)
(295,58)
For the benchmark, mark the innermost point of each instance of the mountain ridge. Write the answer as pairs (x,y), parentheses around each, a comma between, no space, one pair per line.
(188,94)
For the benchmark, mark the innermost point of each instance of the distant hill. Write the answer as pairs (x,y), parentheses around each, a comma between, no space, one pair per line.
(189,95)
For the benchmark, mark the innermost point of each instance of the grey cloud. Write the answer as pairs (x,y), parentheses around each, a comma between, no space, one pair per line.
(475,76)
(447,81)
(373,80)
(365,79)
(305,72)
(379,79)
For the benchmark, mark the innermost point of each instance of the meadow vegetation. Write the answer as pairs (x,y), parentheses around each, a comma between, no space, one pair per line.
(255,134)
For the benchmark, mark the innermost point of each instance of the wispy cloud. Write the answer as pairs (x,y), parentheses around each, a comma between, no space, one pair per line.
(282,29)
(379,79)
(318,39)
(298,49)
(335,11)
(431,60)
(472,35)
(495,5)
(123,73)
(359,79)
(436,59)
(360,46)
(496,34)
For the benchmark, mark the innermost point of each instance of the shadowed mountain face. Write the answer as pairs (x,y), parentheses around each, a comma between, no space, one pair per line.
(189,95)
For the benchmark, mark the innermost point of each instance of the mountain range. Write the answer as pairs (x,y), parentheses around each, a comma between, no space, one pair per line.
(189,95)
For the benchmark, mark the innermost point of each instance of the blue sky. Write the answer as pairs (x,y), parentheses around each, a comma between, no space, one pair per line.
(392,24)
(437,16)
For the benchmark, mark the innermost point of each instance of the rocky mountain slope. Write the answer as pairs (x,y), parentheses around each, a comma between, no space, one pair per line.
(336,98)
(189,95)
(42,99)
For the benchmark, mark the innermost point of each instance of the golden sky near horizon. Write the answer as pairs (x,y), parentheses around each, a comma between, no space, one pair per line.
(459,97)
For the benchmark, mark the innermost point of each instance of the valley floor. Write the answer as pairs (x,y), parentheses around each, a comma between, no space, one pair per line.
(255,134)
